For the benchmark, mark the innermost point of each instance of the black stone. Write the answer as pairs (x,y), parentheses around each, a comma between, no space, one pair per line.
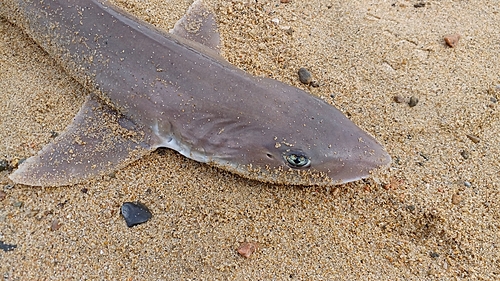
(4,165)
(434,254)
(7,247)
(135,213)
(413,101)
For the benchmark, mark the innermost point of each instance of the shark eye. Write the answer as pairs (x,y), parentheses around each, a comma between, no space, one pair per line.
(297,160)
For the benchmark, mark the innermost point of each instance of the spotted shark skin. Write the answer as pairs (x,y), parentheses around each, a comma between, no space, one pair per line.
(150,88)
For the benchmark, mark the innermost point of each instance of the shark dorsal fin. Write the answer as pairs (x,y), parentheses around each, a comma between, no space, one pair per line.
(198,25)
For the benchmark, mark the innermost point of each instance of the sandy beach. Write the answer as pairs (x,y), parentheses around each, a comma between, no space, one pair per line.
(434,214)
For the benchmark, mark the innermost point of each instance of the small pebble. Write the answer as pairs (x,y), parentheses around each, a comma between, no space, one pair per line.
(305,76)
(456,199)
(465,154)
(419,5)
(467,184)
(246,249)
(15,163)
(135,213)
(426,158)
(7,247)
(4,165)
(55,225)
(285,1)
(18,204)
(398,99)
(397,161)
(288,30)
(434,254)
(61,204)
(452,40)
(473,138)
(413,101)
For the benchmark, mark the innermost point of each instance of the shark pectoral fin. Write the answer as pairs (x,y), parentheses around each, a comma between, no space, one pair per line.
(198,25)
(98,142)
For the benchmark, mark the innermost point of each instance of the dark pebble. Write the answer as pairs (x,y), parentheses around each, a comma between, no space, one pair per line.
(419,5)
(434,254)
(4,165)
(7,247)
(413,101)
(135,213)
(465,154)
(305,76)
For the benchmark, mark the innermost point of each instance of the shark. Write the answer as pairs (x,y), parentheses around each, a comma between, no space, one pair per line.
(149,88)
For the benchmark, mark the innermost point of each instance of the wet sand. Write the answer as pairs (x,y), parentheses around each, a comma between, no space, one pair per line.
(433,214)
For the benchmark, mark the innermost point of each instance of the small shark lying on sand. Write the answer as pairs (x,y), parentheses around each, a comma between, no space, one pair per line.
(153,89)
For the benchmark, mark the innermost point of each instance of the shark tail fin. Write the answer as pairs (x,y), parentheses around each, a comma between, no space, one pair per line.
(97,142)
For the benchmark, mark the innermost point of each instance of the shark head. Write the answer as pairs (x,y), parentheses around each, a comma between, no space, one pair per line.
(295,138)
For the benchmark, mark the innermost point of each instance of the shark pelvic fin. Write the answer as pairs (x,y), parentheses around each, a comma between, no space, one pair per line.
(97,142)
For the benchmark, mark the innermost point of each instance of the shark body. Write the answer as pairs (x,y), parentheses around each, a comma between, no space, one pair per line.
(151,89)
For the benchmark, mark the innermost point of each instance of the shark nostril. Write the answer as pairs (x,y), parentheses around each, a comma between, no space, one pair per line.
(269,155)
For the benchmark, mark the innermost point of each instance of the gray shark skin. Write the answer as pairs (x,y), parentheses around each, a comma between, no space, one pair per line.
(150,89)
